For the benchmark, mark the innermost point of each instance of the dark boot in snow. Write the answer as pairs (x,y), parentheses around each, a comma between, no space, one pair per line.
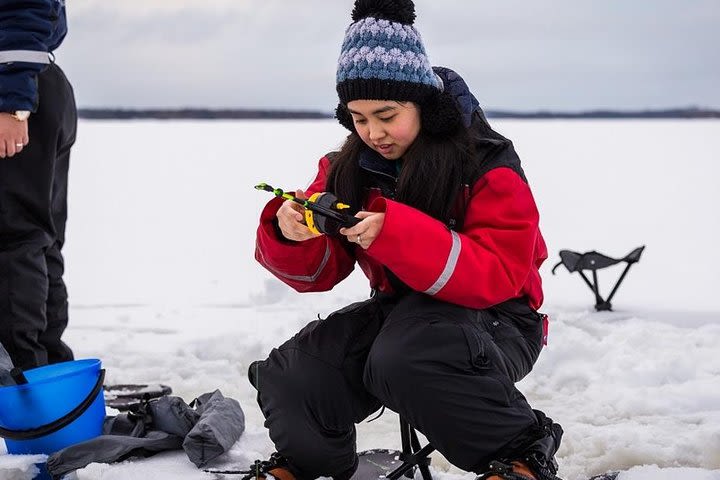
(513,471)
(518,470)
(276,467)
(533,461)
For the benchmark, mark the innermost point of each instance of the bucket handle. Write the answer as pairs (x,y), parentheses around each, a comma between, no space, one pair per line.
(60,423)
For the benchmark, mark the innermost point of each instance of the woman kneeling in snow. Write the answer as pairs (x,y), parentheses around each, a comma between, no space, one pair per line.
(449,240)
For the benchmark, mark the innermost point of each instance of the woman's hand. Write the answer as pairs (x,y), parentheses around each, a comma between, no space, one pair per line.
(13,135)
(291,220)
(365,232)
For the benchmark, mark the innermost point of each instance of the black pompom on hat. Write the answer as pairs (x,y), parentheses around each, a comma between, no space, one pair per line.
(401,11)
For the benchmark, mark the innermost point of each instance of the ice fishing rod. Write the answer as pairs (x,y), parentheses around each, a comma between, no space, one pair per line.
(323,211)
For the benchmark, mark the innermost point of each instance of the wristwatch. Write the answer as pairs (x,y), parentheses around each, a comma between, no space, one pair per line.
(21,115)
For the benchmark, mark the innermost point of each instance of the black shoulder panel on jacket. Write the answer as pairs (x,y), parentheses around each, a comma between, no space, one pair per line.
(493,150)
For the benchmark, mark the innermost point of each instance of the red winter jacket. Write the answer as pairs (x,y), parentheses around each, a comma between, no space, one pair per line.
(493,257)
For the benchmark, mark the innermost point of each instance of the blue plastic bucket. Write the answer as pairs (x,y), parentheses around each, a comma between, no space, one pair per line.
(61,405)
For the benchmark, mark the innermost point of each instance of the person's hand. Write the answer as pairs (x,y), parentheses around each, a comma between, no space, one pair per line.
(291,220)
(13,135)
(365,232)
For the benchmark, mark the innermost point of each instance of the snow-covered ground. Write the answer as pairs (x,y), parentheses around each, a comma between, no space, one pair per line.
(164,287)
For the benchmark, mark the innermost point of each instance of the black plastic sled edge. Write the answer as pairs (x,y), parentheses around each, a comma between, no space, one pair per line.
(606,476)
(373,464)
(376,463)
(123,397)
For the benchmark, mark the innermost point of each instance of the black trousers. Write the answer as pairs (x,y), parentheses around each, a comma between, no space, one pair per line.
(33,211)
(448,370)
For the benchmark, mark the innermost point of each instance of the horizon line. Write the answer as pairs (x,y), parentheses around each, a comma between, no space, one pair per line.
(118,113)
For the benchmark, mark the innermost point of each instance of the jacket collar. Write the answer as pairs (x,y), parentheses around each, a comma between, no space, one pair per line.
(373,162)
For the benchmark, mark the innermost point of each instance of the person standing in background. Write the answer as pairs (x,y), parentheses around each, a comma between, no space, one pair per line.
(38,120)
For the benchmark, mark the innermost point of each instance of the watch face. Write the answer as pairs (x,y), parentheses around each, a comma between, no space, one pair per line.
(22,115)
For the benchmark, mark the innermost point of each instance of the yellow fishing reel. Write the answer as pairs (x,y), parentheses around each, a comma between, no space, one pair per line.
(319,222)
(323,212)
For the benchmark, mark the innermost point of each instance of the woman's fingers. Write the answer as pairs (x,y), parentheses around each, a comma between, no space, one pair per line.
(291,220)
(365,232)
(10,147)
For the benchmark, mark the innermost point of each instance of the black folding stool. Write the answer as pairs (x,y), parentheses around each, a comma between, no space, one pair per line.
(412,455)
(594,261)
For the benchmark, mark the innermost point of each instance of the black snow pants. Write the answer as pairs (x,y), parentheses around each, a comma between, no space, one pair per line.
(33,211)
(448,370)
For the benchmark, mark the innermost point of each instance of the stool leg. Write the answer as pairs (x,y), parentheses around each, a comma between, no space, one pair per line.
(405,437)
(414,455)
(407,466)
(407,446)
(617,284)
(424,468)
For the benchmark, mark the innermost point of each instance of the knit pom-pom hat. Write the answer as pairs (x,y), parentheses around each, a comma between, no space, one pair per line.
(383,58)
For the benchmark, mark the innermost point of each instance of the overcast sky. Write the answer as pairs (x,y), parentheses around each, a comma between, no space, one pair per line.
(521,55)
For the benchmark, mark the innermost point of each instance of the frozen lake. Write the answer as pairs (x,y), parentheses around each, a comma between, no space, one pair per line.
(165,212)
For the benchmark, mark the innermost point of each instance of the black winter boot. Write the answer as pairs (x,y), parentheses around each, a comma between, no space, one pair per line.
(536,460)
(276,467)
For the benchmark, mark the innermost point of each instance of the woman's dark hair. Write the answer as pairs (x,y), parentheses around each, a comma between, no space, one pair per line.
(433,171)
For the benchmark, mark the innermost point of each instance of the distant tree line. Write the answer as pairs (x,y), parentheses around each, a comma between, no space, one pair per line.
(670,113)
(196,113)
(243,114)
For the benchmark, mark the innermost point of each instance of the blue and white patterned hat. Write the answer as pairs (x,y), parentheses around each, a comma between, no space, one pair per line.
(383,57)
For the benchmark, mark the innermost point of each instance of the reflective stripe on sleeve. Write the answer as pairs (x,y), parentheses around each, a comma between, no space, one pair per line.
(28,56)
(303,278)
(449,266)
